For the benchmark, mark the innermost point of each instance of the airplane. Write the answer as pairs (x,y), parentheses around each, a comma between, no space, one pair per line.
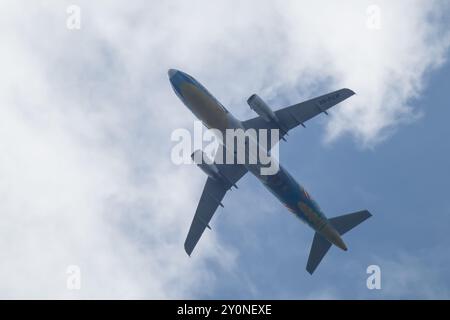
(222,177)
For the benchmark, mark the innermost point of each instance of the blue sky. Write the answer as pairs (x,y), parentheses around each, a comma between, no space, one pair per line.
(403,182)
(85,126)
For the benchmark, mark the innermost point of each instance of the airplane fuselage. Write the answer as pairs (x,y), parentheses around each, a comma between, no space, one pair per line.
(281,184)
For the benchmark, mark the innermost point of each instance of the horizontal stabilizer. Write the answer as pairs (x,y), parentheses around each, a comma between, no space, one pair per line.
(319,249)
(345,223)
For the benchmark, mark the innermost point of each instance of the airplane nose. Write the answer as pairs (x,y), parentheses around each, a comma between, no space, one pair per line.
(171,72)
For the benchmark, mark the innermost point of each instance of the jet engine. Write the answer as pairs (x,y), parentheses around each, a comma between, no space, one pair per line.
(204,163)
(210,168)
(261,108)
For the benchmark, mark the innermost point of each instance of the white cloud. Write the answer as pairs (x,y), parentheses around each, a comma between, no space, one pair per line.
(86,116)
(415,276)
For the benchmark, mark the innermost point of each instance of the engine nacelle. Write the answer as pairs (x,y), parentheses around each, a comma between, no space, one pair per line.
(204,163)
(210,168)
(261,108)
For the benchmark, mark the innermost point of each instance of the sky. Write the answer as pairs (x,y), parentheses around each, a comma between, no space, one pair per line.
(86,117)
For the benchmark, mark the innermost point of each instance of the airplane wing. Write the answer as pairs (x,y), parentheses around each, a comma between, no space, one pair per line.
(297,114)
(211,198)
(214,190)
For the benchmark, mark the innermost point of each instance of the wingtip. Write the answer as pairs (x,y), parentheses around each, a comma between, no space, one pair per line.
(187,250)
(350,91)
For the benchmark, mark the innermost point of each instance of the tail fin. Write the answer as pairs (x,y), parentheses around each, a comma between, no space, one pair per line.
(342,224)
